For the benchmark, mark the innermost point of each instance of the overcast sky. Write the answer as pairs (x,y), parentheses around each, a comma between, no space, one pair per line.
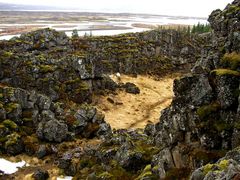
(200,8)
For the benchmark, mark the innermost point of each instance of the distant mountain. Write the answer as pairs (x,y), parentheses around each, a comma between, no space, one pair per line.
(21,7)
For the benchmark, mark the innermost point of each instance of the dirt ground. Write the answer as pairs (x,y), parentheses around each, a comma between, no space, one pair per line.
(125,110)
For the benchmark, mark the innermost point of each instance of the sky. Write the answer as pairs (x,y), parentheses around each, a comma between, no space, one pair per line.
(198,8)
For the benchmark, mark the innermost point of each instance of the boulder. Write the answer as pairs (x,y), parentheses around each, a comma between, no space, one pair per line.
(131,88)
(52,130)
(40,174)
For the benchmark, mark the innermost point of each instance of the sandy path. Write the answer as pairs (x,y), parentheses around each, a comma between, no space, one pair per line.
(135,111)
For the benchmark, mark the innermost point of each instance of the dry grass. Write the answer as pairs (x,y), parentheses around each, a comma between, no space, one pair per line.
(135,111)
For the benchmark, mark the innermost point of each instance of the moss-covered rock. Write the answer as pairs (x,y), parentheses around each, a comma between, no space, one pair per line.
(231,61)
(225,72)
(14,144)
(10,124)
(206,110)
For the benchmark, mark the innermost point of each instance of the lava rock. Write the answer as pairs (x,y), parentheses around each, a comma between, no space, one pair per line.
(40,175)
(52,130)
(131,88)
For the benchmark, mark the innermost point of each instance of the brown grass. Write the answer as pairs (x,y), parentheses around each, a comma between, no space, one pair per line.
(135,111)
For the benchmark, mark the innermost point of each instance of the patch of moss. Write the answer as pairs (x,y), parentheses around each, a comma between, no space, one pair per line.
(218,167)
(120,173)
(7,54)
(223,164)
(26,120)
(89,68)
(207,168)
(221,125)
(77,80)
(11,107)
(222,72)
(10,124)
(232,9)
(105,175)
(46,68)
(204,111)
(12,139)
(147,150)
(146,173)
(231,60)
(83,86)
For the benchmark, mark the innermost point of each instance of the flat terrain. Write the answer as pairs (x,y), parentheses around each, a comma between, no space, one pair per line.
(135,111)
(17,22)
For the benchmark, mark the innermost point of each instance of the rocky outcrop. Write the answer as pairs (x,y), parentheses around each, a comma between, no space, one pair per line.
(202,121)
(121,155)
(227,167)
(27,115)
(154,52)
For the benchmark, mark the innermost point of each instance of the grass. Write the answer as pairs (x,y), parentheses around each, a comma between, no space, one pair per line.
(222,72)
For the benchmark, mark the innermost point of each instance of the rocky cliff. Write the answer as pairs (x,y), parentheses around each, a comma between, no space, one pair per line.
(154,52)
(202,122)
(47,81)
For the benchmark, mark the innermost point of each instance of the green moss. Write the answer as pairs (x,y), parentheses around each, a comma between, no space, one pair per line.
(11,107)
(146,173)
(232,9)
(12,139)
(7,54)
(46,68)
(223,164)
(207,168)
(41,57)
(204,111)
(26,120)
(120,173)
(221,125)
(10,124)
(147,150)
(105,175)
(217,168)
(82,86)
(222,72)
(89,68)
(77,80)
(231,60)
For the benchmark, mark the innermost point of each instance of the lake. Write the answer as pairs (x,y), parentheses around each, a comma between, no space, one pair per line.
(96,24)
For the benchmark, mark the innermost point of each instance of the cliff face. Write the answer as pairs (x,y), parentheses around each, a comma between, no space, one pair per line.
(53,64)
(155,52)
(203,120)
